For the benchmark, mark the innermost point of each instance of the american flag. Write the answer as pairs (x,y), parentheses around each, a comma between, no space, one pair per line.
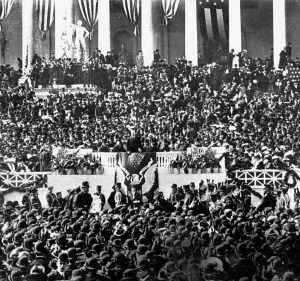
(294,73)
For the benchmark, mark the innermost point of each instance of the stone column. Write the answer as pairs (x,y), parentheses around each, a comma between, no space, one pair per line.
(147,32)
(191,31)
(279,29)
(27,32)
(235,29)
(104,43)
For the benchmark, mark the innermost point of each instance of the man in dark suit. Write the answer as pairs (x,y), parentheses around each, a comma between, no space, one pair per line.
(230,58)
(101,196)
(109,58)
(136,197)
(134,143)
(50,197)
(289,50)
(83,199)
(26,198)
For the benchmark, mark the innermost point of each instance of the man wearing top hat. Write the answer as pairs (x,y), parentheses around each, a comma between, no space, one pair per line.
(189,196)
(50,197)
(83,200)
(26,198)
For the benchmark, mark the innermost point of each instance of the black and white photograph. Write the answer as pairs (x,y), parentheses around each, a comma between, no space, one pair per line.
(149,140)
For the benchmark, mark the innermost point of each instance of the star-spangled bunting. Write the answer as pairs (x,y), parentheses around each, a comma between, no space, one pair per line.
(135,159)
(294,73)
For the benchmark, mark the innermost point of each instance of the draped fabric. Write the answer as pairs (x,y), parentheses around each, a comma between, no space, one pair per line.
(89,11)
(213,18)
(45,11)
(214,24)
(5,7)
(132,11)
(170,8)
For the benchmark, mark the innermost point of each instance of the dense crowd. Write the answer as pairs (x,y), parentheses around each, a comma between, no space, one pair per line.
(251,110)
(212,232)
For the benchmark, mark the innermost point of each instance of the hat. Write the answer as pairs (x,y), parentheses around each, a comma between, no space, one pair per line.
(85,184)
(129,274)
(23,262)
(143,262)
(92,264)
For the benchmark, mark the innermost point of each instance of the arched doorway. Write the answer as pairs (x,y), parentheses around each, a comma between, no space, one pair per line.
(123,36)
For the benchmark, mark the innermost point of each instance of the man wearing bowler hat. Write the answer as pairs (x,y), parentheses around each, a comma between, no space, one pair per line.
(83,199)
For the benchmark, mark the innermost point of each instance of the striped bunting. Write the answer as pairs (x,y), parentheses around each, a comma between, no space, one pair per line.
(45,11)
(89,11)
(214,24)
(132,11)
(5,7)
(170,8)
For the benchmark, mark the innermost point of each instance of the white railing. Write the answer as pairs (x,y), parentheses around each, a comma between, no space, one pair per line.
(16,180)
(106,159)
(163,159)
(258,178)
(254,178)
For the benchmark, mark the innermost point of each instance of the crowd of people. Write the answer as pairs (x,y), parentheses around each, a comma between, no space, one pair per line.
(210,232)
(251,110)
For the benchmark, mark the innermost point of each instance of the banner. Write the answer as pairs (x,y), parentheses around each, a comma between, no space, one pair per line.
(138,169)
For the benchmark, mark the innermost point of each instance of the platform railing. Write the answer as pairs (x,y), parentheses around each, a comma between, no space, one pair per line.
(21,179)
(254,178)
(258,178)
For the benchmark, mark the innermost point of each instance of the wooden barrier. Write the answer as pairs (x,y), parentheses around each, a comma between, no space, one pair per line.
(18,180)
(258,178)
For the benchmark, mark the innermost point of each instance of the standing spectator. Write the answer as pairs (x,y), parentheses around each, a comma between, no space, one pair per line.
(35,200)
(231,55)
(173,196)
(83,199)
(140,61)
(26,199)
(101,57)
(98,200)
(136,197)
(109,58)
(111,198)
(119,196)
(289,50)
(268,200)
(134,143)
(123,55)
(86,74)
(188,196)
(156,56)
(50,197)
(283,59)
(61,202)
(284,199)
